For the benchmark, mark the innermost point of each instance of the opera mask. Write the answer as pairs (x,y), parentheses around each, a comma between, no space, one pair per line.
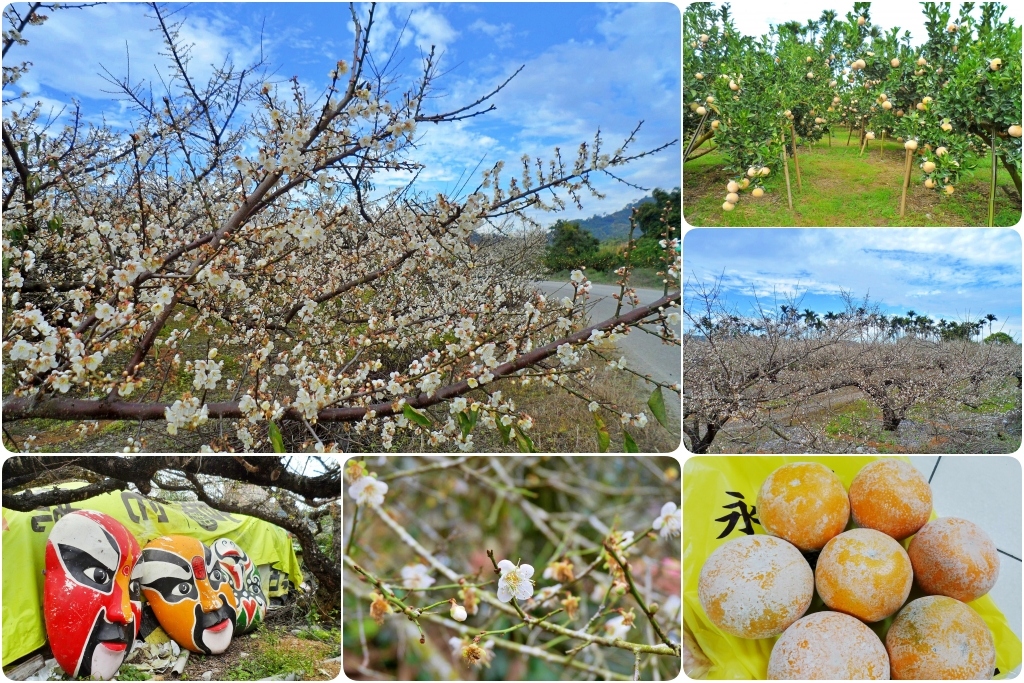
(189,592)
(245,579)
(91,605)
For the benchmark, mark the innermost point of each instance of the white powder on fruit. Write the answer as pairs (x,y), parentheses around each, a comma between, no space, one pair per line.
(955,557)
(755,578)
(828,645)
(781,507)
(939,637)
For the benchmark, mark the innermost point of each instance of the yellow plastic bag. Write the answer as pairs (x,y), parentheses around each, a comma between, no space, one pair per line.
(719,504)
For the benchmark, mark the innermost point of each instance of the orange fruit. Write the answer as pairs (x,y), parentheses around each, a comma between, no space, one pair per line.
(939,637)
(891,496)
(804,503)
(954,557)
(864,573)
(755,586)
(828,646)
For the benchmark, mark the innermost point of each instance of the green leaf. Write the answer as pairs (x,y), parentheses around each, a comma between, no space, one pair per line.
(628,443)
(505,430)
(416,416)
(276,440)
(467,420)
(525,444)
(657,405)
(24,149)
(56,224)
(604,439)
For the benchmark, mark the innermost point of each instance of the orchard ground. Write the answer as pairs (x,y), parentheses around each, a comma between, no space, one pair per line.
(841,188)
(854,425)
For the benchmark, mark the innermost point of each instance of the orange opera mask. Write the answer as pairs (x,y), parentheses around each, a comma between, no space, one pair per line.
(189,592)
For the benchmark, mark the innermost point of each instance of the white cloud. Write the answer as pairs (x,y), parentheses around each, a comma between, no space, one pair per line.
(68,59)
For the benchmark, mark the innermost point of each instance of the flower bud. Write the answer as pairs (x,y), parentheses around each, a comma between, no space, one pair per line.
(457,612)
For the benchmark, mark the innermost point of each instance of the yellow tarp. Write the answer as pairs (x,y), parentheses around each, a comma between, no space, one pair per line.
(24,548)
(718,496)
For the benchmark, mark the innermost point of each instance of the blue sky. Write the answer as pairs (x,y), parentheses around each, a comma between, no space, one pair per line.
(587,66)
(947,273)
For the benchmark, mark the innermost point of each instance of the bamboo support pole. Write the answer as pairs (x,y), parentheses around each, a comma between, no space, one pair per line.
(796,159)
(906,183)
(850,136)
(830,136)
(696,135)
(863,145)
(881,145)
(785,171)
(992,188)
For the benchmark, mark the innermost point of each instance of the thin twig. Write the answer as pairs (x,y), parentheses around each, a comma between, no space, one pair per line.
(352,533)
(492,600)
(426,468)
(636,596)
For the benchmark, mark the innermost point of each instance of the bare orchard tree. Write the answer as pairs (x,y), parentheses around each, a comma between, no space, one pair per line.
(769,365)
(308,499)
(742,366)
(898,374)
(245,211)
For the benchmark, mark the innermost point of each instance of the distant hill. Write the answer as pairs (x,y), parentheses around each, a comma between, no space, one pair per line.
(612,225)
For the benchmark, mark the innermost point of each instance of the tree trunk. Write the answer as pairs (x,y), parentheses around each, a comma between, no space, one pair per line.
(1012,170)
(890,421)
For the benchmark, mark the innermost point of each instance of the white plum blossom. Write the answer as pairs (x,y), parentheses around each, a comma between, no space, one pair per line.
(105,311)
(515,581)
(22,350)
(593,406)
(669,522)
(577,276)
(368,491)
(615,628)
(415,575)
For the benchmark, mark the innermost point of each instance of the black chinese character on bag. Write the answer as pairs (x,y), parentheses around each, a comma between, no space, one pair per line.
(740,511)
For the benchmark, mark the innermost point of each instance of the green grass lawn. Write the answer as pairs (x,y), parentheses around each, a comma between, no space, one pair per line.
(842,188)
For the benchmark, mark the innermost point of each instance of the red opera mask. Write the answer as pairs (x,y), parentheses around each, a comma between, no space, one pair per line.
(90,603)
(189,592)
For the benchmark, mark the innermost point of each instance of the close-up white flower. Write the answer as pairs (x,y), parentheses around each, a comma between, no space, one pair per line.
(415,575)
(368,491)
(616,628)
(515,581)
(669,522)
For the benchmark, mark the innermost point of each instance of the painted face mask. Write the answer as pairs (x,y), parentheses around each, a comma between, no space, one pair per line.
(189,592)
(91,606)
(245,579)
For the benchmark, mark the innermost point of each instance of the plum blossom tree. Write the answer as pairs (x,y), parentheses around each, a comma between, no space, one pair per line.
(246,211)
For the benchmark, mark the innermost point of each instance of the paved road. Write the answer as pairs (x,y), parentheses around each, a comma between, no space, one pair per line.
(644,353)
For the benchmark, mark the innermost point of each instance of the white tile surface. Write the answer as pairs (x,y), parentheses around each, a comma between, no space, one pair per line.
(924,463)
(985,490)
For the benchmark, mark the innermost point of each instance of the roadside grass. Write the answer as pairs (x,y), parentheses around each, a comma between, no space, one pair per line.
(841,188)
(644,278)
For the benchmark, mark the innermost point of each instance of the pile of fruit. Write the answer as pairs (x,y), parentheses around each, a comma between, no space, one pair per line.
(761,586)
